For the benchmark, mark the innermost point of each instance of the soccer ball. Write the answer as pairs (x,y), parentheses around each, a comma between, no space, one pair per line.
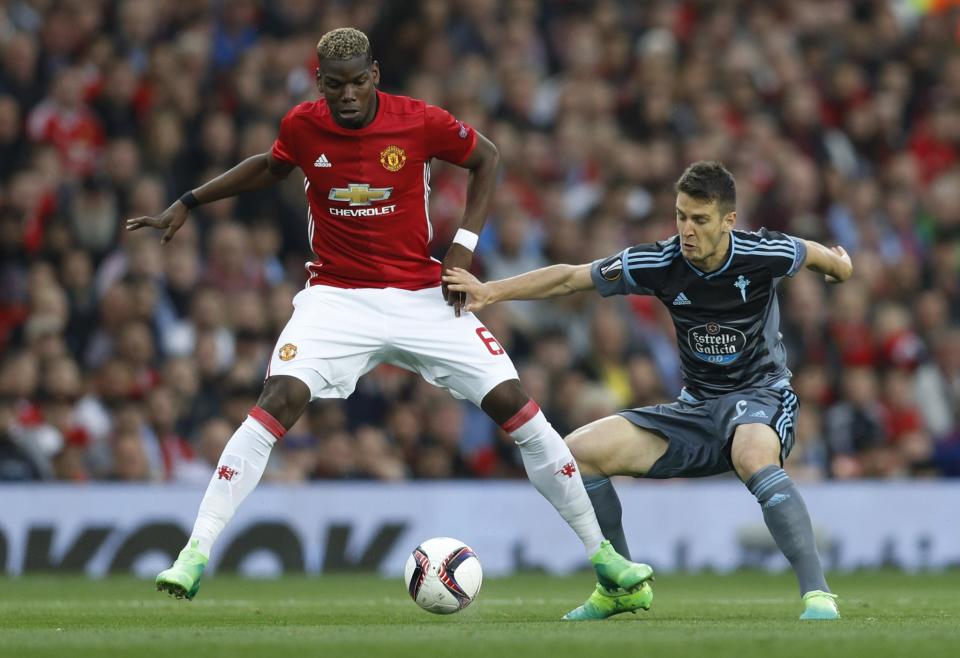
(443,575)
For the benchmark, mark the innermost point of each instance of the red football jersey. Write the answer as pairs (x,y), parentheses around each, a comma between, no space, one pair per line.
(368,189)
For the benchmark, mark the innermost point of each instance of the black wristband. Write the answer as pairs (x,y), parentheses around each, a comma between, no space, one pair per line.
(189,200)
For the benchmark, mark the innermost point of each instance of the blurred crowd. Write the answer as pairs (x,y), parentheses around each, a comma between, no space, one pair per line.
(125,360)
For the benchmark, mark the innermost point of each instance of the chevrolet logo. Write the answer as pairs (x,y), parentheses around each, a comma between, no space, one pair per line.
(360,194)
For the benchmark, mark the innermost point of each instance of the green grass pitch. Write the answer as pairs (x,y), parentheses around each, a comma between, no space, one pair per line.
(743,615)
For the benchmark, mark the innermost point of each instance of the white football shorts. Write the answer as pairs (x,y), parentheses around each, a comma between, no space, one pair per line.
(338,334)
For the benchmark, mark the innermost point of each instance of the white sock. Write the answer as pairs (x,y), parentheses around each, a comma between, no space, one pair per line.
(239,470)
(553,471)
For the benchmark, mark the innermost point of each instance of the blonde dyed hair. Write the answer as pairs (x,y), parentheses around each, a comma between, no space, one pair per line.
(344,43)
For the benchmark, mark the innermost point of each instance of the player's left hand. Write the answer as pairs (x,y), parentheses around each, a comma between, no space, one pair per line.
(460,257)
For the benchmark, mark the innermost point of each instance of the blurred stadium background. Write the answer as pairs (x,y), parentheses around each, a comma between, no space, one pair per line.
(124,362)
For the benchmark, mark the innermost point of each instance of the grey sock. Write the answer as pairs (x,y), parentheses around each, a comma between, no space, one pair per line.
(787,518)
(606,504)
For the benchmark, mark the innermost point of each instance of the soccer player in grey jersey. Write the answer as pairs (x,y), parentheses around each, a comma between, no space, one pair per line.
(736,410)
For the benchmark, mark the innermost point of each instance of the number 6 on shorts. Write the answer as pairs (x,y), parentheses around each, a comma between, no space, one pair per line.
(489,341)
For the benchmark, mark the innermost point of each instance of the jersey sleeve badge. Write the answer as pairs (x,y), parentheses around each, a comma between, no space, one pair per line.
(612,268)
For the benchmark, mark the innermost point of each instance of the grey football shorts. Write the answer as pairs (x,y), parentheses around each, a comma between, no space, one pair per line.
(699,433)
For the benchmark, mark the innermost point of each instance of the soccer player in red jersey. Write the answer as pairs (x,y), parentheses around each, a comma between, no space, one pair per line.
(373,294)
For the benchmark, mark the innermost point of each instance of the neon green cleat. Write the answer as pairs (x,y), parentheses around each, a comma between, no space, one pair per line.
(820,605)
(615,571)
(604,603)
(182,580)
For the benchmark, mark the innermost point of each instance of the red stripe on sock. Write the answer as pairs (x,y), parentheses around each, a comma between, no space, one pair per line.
(269,423)
(519,419)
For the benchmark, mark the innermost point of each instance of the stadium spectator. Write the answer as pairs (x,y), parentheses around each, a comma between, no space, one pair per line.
(16,464)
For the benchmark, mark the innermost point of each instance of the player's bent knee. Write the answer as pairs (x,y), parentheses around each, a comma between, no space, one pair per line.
(749,464)
(580,444)
(284,398)
(504,401)
(615,446)
(754,447)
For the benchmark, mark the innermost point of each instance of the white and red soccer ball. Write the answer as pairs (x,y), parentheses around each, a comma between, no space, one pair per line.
(443,575)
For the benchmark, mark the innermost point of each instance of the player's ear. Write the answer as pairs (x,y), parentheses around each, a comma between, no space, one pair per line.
(375,72)
(729,220)
(319,79)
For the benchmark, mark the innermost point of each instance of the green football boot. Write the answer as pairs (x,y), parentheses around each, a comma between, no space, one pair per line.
(615,571)
(182,580)
(605,603)
(820,606)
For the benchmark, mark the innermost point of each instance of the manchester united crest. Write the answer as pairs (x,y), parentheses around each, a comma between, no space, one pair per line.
(393,158)
(288,351)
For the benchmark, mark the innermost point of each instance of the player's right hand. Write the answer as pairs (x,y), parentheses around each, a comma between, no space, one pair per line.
(170,219)
(844,266)
(460,280)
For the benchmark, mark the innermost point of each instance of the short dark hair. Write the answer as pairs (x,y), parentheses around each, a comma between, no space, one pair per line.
(710,181)
(344,43)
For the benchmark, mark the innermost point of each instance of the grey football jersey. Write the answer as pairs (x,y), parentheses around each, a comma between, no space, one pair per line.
(727,321)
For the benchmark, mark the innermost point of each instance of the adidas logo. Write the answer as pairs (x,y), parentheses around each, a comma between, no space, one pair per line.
(759,414)
(681,300)
(776,499)
(322,161)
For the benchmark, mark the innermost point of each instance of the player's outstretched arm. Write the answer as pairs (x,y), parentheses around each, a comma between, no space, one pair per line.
(833,262)
(553,281)
(254,173)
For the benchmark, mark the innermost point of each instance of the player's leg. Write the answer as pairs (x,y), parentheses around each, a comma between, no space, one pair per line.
(632,443)
(548,462)
(613,446)
(756,455)
(238,471)
(609,511)
(552,469)
(461,355)
(606,447)
(332,338)
(245,456)
(635,443)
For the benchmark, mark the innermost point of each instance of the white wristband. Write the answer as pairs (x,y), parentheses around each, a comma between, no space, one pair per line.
(466,238)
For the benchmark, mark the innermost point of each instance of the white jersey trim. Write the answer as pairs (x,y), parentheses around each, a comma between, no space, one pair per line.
(310,265)
(426,201)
